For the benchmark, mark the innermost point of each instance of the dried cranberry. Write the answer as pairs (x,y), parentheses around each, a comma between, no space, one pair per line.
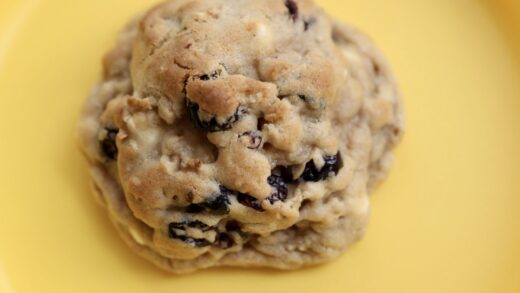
(281,190)
(191,224)
(250,201)
(199,225)
(212,125)
(194,209)
(193,114)
(331,168)
(197,242)
(108,143)
(207,77)
(219,205)
(293,9)
(280,194)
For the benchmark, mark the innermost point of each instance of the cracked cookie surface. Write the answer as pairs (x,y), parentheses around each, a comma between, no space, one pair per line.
(240,133)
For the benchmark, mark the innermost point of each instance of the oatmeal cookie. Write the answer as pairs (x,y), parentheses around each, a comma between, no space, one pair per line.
(240,133)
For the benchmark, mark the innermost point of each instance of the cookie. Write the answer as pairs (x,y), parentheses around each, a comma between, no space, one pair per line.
(240,133)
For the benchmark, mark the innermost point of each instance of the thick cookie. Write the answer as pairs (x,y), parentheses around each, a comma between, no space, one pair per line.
(240,133)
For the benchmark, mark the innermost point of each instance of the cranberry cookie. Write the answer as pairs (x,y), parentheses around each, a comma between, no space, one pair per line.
(240,133)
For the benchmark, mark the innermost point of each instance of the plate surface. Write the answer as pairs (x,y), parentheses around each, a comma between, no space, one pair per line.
(446,220)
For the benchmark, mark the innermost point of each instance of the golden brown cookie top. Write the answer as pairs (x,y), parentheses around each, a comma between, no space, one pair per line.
(281,43)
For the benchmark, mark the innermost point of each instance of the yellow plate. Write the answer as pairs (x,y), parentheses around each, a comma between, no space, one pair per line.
(447,219)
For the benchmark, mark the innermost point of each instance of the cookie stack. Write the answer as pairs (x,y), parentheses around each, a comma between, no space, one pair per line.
(240,133)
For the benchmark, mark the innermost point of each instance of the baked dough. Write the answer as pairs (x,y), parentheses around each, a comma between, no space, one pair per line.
(240,133)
